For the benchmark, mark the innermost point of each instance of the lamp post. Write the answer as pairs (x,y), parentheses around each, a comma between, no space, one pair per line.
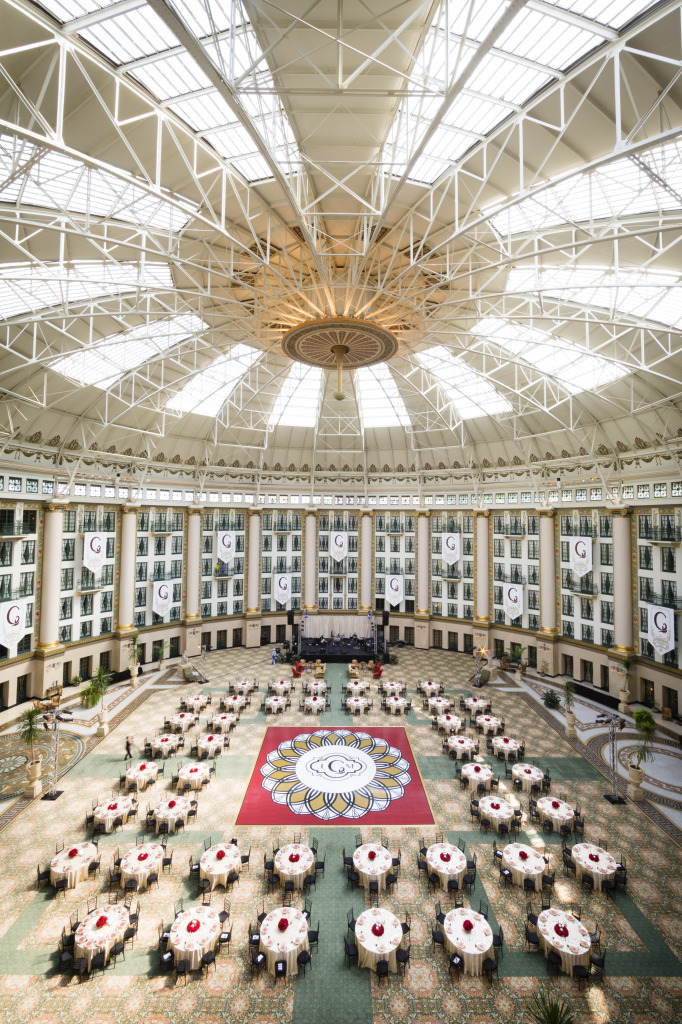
(52,721)
(615,724)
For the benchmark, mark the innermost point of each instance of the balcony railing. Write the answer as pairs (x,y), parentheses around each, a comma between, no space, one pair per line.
(159,576)
(501,577)
(87,586)
(223,572)
(160,525)
(661,535)
(14,530)
(514,530)
(664,600)
(14,593)
(584,589)
(586,530)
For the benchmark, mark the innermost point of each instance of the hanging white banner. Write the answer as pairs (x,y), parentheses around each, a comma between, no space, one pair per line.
(161,598)
(338,545)
(661,629)
(227,542)
(12,623)
(282,587)
(451,548)
(94,550)
(580,555)
(512,599)
(394,589)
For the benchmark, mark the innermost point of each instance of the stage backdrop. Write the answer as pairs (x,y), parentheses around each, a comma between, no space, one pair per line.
(339,625)
(336,777)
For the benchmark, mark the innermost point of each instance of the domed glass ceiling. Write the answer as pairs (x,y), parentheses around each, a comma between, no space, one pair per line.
(499,185)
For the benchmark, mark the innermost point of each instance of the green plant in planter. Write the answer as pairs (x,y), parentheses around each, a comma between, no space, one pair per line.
(547,1010)
(134,654)
(516,653)
(568,695)
(29,731)
(94,693)
(551,700)
(645,723)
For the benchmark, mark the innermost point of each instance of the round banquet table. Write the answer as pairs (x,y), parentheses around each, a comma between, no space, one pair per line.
(218,861)
(439,704)
(429,688)
(488,723)
(476,703)
(473,946)
(164,812)
(356,686)
(143,774)
(223,721)
(276,704)
(196,703)
(92,938)
(604,867)
(496,809)
(283,686)
(506,745)
(165,745)
(453,866)
(370,868)
(209,743)
(133,867)
(356,704)
(194,774)
(316,704)
(394,689)
(316,686)
(236,702)
(294,870)
(244,686)
(74,867)
(285,943)
(185,720)
(532,867)
(451,723)
(476,773)
(573,948)
(191,945)
(372,947)
(397,705)
(528,774)
(559,815)
(463,746)
(106,812)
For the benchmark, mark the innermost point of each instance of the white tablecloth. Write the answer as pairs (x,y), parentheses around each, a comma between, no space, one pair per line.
(283,686)
(209,743)
(533,867)
(392,688)
(439,704)
(372,868)
(235,703)
(91,938)
(191,945)
(165,745)
(276,705)
(164,812)
(371,947)
(506,745)
(528,774)
(501,812)
(295,871)
(106,812)
(560,815)
(473,946)
(196,703)
(185,720)
(605,867)
(142,774)
(316,704)
(451,723)
(476,773)
(223,721)
(397,705)
(216,868)
(488,722)
(463,746)
(357,686)
(74,867)
(573,948)
(244,686)
(446,869)
(316,686)
(357,704)
(429,688)
(133,867)
(284,944)
(476,703)
(194,774)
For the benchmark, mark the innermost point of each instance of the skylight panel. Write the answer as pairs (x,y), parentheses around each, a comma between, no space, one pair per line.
(130,35)
(67,10)
(646,295)
(614,13)
(207,391)
(28,287)
(103,363)
(298,403)
(540,37)
(470,393)
(171,76)
(379,400)
(572,366)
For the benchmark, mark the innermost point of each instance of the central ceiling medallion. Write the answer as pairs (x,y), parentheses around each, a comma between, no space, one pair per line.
(341,341)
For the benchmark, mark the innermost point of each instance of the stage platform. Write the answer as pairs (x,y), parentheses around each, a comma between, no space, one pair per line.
(336,650)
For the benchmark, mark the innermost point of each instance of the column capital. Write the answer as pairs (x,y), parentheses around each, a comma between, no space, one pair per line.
(423,513)
(546,513)
(127,510)
(195,511)
(367,512)
(255,511)
(482,513)
(621,513)
(52,506)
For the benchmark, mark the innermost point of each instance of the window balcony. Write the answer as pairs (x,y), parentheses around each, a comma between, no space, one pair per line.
(661,535)
(15,593)
(584,589)
(665,600)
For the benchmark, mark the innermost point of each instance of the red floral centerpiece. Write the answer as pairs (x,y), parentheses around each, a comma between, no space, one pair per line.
(210,739)
(165,739)
(477,767)
(495,807)
(594,857)
(527,771)
(112,807)
(293,857)
(220,854)
(505,739)
(523,855)
(314,698)
(101,921)
(142,767)
(486,719)
(555,804)
(282,924)
(561,930)
(194,925)
(467,925)
(73,852)
(377,929)
(142,856)
(445,856)
(447,718)
(182,715)
(372,854)
(194,770)
(171,803)
(235,697)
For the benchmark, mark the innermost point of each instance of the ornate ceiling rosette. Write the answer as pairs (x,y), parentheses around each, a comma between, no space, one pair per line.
(336,773)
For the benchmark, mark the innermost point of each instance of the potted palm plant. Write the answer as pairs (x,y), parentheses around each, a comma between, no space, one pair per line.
(160,648)
(568,706)
(29,733)
(551,700)
(645,724)
(516,653)
(134,656)
(93,695)
(548,1010)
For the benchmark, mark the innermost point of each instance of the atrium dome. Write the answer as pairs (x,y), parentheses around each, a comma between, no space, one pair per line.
(490,190)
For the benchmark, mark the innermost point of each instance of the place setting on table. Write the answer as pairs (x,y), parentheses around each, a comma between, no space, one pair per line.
(439,705)
(430,688)
(356,686)
(99,931)
(235,702)
(595,861)
(209,744)
(524,862)
(280,687)
(276,705)
(225,720)
(529,775)
(496,810)
(392,688)
(477,704)
(565,934)
(559,812)
(316,687)
(356,704)
(477,774)
(316,704)
(447,861)
(196,703)
(397,705)
(468,935)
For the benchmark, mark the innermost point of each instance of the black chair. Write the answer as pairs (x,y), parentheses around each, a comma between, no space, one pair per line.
(254,937)
(280,969)
(351,951)
(79,966)
(314,936)
(490,966)
(60,886)
(469,879)
(353,878)
(532,940)
(405,925)
(597,964)
(582,974)
(351,921)
(437,938)
(207,959)
(43,875)
(257,961)
(456,964)
(382,970)
(181,968)
(553,960)
(440,916)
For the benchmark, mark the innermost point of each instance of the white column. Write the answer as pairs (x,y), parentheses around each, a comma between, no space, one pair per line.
(423,602)
(50,577)
(622,581)
(126,580)
(253,588)
(193,565)
(548,572)
(310,580)
(365,560)
(482,567)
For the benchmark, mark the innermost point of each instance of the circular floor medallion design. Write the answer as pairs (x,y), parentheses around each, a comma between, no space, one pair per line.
(313,342)
(335,774)
(12,762)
